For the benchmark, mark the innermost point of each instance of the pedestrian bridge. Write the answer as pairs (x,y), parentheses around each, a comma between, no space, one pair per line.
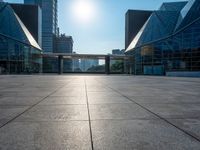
(107,63)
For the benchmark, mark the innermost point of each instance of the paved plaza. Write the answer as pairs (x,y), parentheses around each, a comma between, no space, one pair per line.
(97,112)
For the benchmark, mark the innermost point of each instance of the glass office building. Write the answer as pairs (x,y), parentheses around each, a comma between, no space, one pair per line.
(49,22)
(169,41)
(19,52)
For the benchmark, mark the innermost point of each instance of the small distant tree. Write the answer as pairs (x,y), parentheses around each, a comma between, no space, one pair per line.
(99,68)
(117,66)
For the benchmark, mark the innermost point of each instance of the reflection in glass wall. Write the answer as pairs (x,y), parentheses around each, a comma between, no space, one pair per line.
(117,66)
(169,42)
(50,65)
(17,57)
(74,65)
(180,52)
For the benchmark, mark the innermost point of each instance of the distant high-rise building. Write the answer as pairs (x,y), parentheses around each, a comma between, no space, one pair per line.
(135,19)
(118,52)
(85,64)
(49,22)
(31,16)
(64,44)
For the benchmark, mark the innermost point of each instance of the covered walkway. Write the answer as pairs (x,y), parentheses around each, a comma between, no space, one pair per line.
(127,60)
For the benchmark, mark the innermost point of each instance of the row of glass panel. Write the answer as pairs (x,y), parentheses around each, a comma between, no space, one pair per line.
(17,57)
(50,65)
(180,52)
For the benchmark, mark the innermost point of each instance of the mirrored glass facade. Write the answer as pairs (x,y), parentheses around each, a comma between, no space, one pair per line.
(17,57)
(19,52)
(161,49)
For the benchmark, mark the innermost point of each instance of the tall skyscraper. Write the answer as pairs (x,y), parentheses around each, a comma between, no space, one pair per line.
(135,19)
(64,44)
(49,22)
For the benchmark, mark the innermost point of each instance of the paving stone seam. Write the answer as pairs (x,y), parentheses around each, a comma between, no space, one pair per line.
(89,117)
(173,79)
(164,119)
(37,121)
(32,106)
(60,104)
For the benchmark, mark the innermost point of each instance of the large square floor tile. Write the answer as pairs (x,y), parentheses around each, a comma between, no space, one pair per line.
(59,100)
(119,111)
(108,100)
(9,112)
(12,101)
(192,126)
(55,113)
(70,135)
(175,110)
(140,135)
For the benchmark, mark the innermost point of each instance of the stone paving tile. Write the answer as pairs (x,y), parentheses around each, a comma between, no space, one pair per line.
(72,90)
(149,93)
(46,136)
(108,93)
(24,93)
(55,113)
(165,99)
(140,135)
(9,112)
(70,94)
(119,111)
(175,110)
(102,95)
(61,100)
(19,100)
(60,121)
(108,100)
(98,89)
(190,125)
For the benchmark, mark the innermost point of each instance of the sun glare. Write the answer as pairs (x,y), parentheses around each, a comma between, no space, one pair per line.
(83,10)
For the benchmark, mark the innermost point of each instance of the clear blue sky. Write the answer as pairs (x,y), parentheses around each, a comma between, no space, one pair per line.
(106,31)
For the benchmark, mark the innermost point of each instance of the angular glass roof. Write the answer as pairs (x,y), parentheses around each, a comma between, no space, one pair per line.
(191,7)
(173,6)
(137,37)
(157,26)
(170,18)
(13,27)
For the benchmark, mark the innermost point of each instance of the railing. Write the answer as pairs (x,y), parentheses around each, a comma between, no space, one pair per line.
(85,63)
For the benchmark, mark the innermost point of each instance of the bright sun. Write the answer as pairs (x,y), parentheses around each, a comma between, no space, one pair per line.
(83,10)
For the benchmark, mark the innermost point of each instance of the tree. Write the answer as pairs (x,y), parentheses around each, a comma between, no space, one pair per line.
(117,66)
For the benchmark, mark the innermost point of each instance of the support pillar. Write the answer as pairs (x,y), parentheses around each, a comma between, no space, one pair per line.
(107,65)
(60,64)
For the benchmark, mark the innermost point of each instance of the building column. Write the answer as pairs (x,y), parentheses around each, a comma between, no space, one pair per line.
(60,64)
(107,65)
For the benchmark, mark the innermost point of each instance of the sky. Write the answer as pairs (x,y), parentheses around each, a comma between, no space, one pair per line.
(97,26)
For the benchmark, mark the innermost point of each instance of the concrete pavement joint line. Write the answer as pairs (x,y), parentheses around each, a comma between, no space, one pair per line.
(89,118)
(61,104)
(11,120)
(173,78)
(63,121)
(187,133)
